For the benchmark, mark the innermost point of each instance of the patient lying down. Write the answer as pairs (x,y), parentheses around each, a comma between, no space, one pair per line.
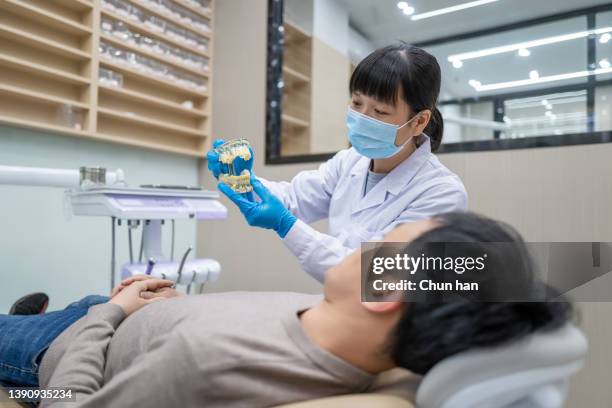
(150,346)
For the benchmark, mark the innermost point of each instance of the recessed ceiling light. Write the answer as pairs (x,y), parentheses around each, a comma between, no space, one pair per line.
(534,74)
(451,9)
(408,10)
(457,63)
(604,63)
(605,38)
(544,102)
(474,83)
(551,78)
(529,44)
(524,52)
(402,5)
(548,107)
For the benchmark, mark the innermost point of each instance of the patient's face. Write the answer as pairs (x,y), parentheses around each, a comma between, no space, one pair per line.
(343,281)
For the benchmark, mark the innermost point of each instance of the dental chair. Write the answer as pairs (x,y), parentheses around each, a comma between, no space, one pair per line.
(531,373)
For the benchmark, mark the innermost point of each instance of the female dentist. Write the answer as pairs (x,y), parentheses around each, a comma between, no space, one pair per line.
(388,177)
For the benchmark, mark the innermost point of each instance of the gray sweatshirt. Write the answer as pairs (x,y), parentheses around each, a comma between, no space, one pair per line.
(238,349)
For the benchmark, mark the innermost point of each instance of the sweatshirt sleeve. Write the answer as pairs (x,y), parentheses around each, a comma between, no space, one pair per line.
(82,365)
(144,383)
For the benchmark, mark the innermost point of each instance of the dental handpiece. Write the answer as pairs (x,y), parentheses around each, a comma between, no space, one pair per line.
(150,265)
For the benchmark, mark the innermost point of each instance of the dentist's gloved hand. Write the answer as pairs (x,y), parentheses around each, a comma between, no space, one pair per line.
(212,157)
(216,167)
(268,213)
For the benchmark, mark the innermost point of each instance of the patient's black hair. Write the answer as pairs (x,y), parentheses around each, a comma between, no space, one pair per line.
(427,333)
(402,66)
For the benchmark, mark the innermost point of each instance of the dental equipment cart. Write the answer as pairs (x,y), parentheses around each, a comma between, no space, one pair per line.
(94,192)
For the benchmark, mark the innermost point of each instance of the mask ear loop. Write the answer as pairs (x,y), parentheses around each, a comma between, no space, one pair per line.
(410,120)
(412,138)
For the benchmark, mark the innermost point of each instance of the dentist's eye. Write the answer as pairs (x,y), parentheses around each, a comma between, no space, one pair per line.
(356,104)
(379,112)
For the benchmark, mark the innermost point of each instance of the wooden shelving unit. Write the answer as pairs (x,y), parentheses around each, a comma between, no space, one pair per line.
(55,59)
(296,92)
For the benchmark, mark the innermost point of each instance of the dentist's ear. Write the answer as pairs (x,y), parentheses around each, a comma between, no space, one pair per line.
(422,121)
(382,307)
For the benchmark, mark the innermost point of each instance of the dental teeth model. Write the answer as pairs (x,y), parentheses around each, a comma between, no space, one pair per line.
(240,184)
(239,179)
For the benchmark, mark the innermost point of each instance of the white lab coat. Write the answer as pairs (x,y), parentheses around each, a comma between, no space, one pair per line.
(418,188)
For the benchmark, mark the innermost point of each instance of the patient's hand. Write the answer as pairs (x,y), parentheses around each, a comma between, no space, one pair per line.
(166,293)
(128,281)
(130,299)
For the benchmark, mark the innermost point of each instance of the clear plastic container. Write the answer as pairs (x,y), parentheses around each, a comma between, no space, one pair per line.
(110,78)
(155,24)
(69,116)
(203,5)
(121,31)
(107,25)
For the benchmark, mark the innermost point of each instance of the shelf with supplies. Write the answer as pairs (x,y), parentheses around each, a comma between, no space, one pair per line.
(134,72)
(202,8)
(157,28)
(159,57)
(181,17)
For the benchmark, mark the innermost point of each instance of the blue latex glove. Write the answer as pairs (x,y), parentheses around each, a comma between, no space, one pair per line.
(212,157)
(216,167)
(268,213)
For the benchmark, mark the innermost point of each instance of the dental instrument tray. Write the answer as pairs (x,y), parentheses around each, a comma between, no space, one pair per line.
(146,203)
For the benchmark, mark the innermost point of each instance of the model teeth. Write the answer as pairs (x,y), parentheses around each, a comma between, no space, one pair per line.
(240,184)
(229,154)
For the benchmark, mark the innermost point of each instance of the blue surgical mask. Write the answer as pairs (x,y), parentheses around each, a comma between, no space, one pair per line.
(372,138)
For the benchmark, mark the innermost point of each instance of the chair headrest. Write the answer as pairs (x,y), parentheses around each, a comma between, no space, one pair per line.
(500,375)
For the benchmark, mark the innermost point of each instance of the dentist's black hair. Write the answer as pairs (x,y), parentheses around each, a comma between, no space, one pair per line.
(381,74)
(428,333)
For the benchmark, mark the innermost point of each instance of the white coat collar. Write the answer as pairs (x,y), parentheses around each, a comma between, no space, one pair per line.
(393,182)
(405,172)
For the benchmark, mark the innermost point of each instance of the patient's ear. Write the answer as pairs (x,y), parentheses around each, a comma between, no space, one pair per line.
(381,307)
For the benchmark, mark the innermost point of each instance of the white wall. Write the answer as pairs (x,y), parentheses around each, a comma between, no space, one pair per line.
(300,13)
(331,25)
(39,249)
(358,46)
